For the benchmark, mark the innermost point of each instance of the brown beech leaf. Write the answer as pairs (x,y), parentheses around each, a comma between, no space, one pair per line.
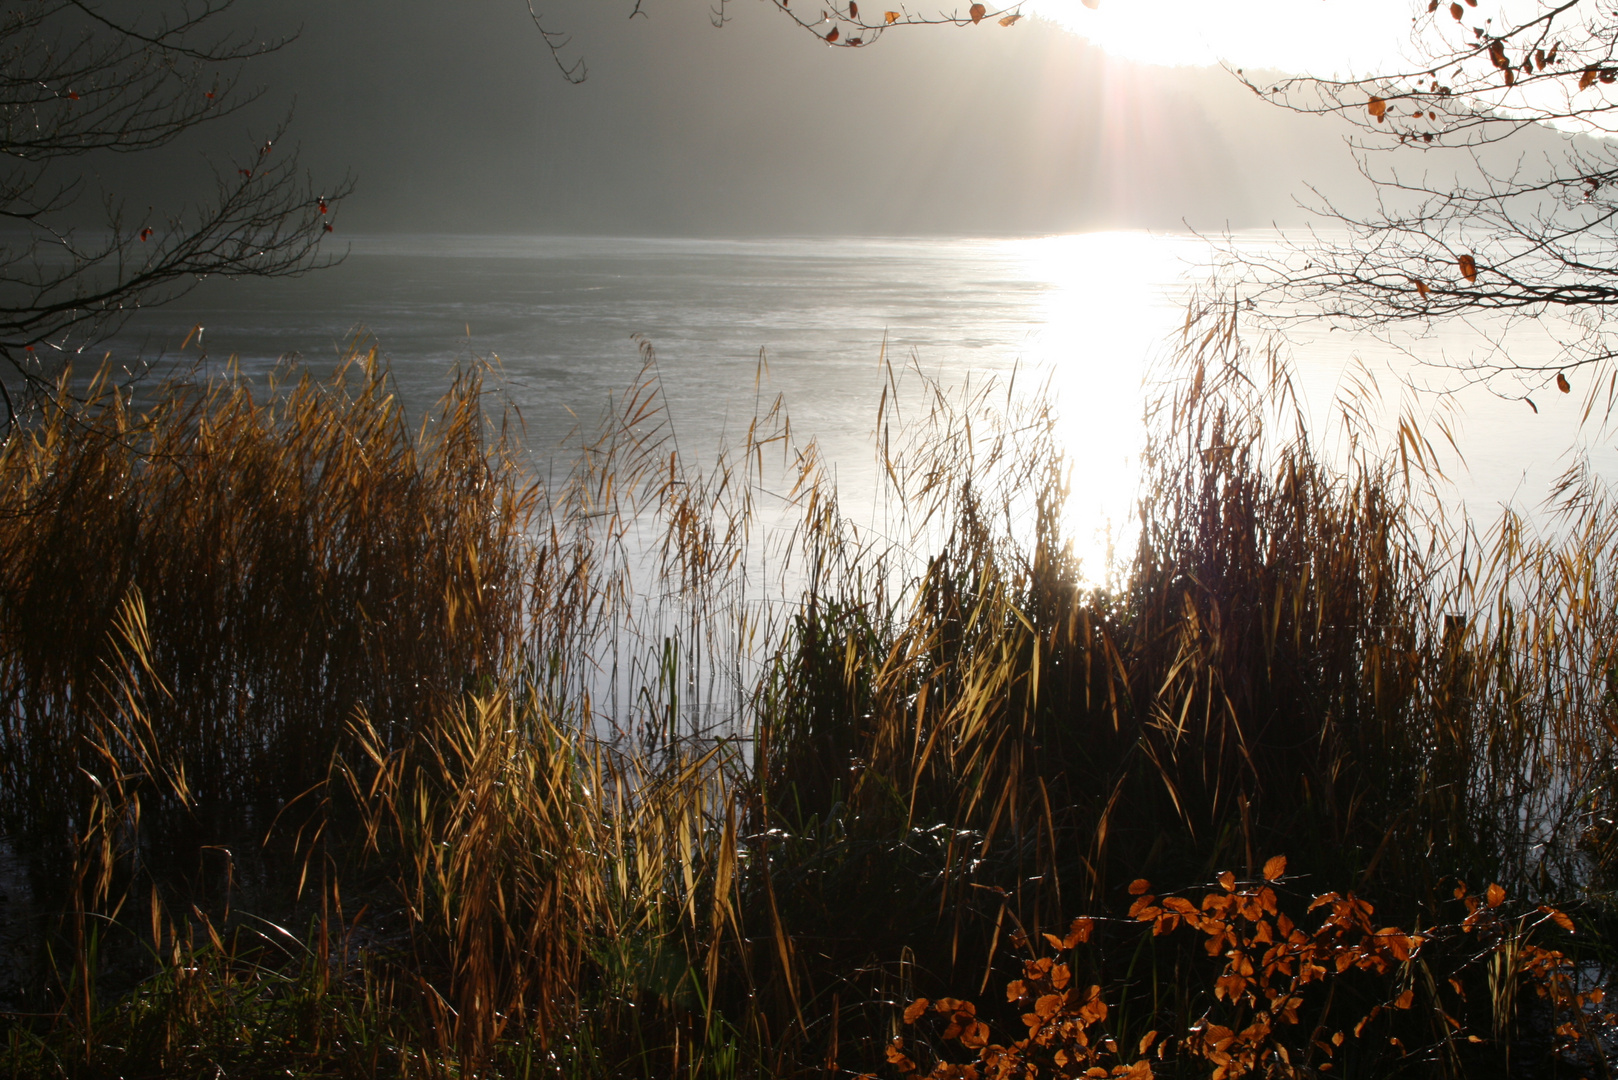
(1497,54)
(1432,6)
(1588,78)
(853,10)
(832,37)
(1421,287)
(1562,384)
(1139,886)
(1275,867)
(1377,107)
(977,11)
(890,17)
(975,1035)
(1469,267)
(916,1009)
(1010,20)
(1456,11)
(1495,895)
(1559,918)
(1079,932)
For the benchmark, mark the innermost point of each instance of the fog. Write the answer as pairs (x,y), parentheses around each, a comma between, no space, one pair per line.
(452,117)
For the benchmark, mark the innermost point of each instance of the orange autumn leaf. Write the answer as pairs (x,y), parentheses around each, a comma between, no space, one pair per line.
(916,1009)
(1469,267)
(1456,12)
(1560,919)
(1588,78)
(1139,886)
(834,35)
(896,1057)
(1275,867)
(853,10)
(1404,1000)
(1010,19)
(1562,384)
(891,17)
(977,11)
(1421,287)
(1377,108)
(1494,895)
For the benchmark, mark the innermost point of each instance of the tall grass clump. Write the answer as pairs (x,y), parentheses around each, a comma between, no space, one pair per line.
(340,746)
(301,553)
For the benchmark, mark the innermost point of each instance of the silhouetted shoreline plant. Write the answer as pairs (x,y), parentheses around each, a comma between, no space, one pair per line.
(339,747)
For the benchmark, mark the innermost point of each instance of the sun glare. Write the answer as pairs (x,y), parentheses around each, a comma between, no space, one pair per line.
(1323,37)
(1100,325)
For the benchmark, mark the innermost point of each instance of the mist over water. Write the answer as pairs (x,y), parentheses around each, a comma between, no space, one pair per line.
(732,323)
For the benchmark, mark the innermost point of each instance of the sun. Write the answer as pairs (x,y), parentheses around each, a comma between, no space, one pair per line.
(1323,37)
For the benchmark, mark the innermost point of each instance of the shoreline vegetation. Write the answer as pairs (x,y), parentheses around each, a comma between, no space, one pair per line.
(332,746)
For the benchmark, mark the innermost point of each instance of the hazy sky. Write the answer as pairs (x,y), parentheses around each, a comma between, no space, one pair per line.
(453,119)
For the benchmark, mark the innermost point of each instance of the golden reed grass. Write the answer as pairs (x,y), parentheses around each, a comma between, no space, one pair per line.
(281,656)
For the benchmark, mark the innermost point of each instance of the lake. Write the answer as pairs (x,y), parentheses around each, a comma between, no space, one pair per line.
(563,317)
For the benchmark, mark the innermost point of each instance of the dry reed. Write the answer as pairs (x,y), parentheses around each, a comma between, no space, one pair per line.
(552,789)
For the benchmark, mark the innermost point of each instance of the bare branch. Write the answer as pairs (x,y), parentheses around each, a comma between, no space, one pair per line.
(75,82)
(1477,235)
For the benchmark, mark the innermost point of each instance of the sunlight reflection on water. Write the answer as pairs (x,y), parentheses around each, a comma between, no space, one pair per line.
(1087,313)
